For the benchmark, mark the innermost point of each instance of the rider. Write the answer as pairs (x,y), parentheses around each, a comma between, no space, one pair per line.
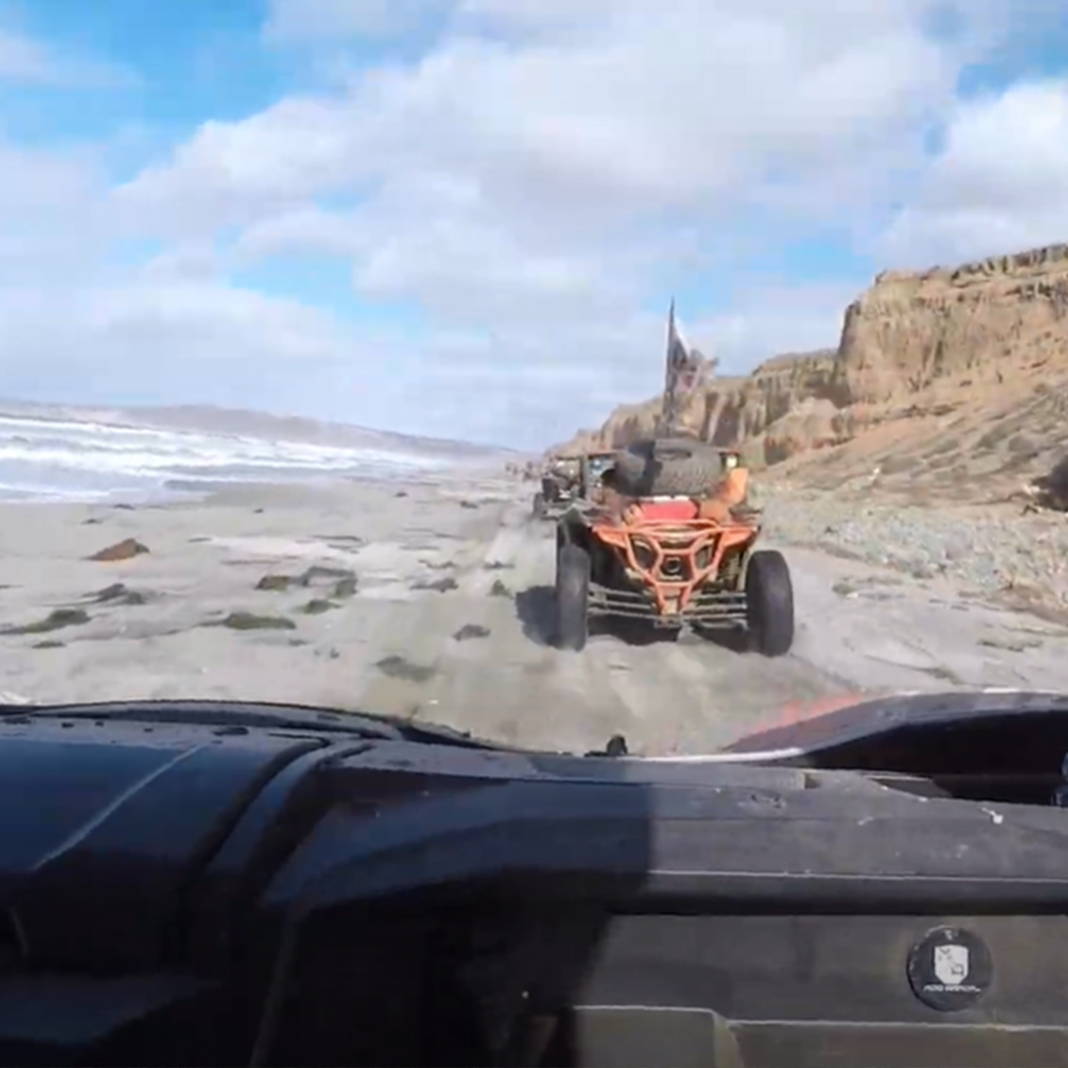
(731,491)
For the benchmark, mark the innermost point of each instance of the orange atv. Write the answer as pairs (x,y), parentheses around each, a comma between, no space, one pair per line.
(674,561)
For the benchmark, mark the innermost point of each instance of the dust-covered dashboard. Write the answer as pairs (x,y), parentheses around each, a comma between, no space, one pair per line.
(208,883)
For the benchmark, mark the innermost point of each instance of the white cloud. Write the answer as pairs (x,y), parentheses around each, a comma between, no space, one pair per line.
(660,112)
(53,228)
(192,320)
(26,61)
(187,262)
(771,319)
(998,185)
(548,174)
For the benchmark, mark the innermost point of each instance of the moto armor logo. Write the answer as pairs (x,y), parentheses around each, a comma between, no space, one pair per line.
(949,968)
(951,964)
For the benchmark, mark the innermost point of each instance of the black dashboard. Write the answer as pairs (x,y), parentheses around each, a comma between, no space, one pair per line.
(207,884)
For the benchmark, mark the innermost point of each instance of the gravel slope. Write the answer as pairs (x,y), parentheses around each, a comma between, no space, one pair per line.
(997,551)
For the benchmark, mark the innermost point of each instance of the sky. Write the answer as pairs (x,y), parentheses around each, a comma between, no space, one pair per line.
(466,218)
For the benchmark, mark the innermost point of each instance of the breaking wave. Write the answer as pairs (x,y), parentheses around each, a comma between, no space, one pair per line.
(55,459)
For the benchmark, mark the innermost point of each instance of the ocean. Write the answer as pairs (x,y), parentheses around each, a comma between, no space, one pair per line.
(51,458)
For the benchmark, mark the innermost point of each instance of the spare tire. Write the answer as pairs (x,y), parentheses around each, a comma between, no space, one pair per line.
(668,467)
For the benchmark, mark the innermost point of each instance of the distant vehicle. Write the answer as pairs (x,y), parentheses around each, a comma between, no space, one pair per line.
(570,479)
(561,479)
(594,467)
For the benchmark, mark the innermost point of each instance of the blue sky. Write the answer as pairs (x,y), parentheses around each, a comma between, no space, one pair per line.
(466,217)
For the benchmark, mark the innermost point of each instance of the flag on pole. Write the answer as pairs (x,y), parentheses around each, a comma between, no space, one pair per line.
(687,370)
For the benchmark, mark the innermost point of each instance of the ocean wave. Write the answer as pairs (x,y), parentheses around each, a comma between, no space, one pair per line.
(54,459)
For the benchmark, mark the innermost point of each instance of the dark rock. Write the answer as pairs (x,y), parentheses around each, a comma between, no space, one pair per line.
(257,511)
(123,507)
(400,493)
(316,607)
(49,645)
(250,621)
(117,593)
(274,582)
(497,565)
(345,587)
(110,593)
(200,538)
(468,504)
(499,589)
(1054,486)
(59,617)
(325,576)
(91,521)
(471,630)
(121,550)
(442,585)
(397,667)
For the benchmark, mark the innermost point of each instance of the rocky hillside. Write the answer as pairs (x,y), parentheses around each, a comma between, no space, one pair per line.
(970,327)
(950,379)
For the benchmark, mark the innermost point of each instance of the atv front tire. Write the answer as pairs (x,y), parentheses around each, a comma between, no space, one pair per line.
(538,508)
(769,603)
(572,596)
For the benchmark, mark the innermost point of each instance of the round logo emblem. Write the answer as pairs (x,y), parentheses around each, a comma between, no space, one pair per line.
(949,969)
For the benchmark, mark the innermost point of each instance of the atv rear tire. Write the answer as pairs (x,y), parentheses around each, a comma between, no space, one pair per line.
(668,467)
(572,596)
(538,509)
(769,603)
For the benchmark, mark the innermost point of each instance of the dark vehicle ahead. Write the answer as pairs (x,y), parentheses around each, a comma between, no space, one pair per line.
(570,480)
(559,486)
(215,884)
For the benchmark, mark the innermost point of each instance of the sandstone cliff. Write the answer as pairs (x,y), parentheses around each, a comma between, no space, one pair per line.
(939,376)
(970,326)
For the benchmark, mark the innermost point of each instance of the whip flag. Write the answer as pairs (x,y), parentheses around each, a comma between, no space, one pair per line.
(687,371)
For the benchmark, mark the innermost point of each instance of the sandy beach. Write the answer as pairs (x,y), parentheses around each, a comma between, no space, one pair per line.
(432,599)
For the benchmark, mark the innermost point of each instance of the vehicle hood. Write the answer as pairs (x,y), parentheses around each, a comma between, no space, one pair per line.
(832,723)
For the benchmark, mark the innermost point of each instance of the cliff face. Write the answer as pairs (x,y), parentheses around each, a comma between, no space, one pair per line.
(916,349)
(970,326)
